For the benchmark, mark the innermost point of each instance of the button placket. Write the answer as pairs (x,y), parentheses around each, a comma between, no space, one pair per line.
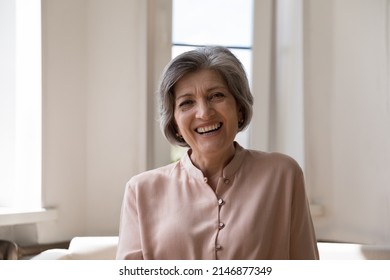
(221,225)
(224,183)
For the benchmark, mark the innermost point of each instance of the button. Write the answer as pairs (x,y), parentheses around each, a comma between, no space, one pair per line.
(221,225)
(221,202)
(226,180)
(218,247)
(205,179)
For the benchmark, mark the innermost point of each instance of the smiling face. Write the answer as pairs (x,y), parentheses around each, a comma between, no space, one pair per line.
(206,113)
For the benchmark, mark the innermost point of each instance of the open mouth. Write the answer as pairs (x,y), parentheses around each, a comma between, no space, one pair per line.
(209,129)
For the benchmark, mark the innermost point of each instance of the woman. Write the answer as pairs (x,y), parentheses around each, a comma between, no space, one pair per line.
(220,201)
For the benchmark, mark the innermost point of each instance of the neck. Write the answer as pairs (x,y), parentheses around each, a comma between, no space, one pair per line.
(212,165)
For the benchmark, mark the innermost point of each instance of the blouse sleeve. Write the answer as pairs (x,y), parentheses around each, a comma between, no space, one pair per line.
(303,243)
(129,244)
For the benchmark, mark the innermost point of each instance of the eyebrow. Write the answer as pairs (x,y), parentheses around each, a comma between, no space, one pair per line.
(184,95)
(212,88)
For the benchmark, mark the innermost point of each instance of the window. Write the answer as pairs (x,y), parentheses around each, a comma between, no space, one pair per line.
(20,104)
(214,22)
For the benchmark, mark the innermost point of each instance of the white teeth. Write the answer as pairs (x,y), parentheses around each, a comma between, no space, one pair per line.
(208,128)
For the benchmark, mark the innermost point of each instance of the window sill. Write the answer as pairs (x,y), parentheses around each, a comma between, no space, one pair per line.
(16,216)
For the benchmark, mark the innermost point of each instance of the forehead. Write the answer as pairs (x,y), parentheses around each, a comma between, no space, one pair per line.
(203,79)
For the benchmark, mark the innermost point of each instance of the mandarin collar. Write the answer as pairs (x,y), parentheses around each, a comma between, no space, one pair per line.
(229,170)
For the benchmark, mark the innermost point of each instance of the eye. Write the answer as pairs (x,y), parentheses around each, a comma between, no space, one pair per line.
(216,96)
(185,103)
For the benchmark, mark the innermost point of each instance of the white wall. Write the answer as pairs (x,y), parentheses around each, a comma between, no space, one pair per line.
(64,119)
(116,108)
(95,118)
(347,118)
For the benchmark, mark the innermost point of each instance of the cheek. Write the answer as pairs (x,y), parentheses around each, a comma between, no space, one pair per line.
(180,122)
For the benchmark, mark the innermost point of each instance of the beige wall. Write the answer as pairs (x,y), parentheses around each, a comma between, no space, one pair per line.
(347,118)
(95,91)
(64,118)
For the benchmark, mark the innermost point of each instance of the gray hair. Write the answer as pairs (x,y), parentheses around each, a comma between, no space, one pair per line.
(215,58)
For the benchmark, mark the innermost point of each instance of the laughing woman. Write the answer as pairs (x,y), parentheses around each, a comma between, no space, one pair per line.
(219,201)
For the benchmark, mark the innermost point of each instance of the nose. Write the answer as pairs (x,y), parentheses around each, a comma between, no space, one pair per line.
(205,110)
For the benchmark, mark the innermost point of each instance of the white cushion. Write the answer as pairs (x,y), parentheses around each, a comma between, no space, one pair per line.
(93,248)
(53,254)
(84,248)
(350,251)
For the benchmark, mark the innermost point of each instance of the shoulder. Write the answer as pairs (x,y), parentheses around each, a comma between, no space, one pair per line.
(153,176)
(278,171)
(272,159)
(271,163)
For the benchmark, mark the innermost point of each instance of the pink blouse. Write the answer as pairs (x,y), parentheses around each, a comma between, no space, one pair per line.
(258,211)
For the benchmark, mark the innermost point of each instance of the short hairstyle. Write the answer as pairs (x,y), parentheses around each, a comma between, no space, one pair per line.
(217,58)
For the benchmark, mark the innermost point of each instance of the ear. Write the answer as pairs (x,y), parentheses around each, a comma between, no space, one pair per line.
(176,128)
(240,117)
